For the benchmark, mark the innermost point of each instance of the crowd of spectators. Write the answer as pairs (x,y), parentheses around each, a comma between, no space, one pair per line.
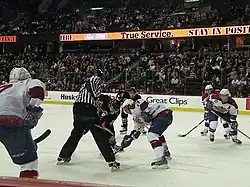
(162,73)
(173,73)
(126,16)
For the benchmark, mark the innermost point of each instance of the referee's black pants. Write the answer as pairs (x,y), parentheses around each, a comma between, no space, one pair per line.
(86,119)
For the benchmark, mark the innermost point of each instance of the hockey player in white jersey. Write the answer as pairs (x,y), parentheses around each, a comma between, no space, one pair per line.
(159,117)
(209,91)
(204,99)
(223,105)
(20,112)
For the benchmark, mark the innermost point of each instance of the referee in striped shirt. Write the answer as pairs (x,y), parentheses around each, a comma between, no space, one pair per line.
(86,118)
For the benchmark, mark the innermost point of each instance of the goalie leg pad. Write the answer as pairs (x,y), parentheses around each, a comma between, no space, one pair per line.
(19,144)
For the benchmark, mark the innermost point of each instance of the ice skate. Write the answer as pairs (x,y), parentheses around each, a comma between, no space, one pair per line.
(211,137)
(62,161)
(237,141)
(123,131)
(160,164)
(114,166)
(204,132)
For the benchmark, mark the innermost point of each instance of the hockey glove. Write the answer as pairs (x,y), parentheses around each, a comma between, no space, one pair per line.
(147,116)
(206,115)
(127,140)
(34,114)
(38,111)
(209,106)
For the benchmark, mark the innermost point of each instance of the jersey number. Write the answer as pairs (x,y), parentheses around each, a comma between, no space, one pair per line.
(4,87)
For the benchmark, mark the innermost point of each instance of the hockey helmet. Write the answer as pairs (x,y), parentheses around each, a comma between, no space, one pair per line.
(128,105)
(209,87)
(224,94)
(19,74)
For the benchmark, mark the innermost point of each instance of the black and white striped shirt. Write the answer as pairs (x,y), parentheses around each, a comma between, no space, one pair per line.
(90,91)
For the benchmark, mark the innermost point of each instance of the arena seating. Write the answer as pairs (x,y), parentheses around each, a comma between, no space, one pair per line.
(175,73)
(31,19)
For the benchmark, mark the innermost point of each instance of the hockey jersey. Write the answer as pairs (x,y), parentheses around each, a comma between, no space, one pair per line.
(204,99)
(108,112)
(15,97)
(229,106)
(139,106)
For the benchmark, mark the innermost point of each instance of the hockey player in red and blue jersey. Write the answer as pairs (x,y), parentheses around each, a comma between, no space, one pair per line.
(158,117)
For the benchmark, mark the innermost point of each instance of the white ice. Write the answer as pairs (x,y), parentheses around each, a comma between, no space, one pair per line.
(197,162)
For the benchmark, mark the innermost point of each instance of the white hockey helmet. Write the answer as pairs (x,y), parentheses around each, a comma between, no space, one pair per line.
(225,92)
(209,87)
(127,106)
(19,74)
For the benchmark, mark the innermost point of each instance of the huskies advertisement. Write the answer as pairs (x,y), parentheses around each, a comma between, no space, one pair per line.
(170,100)
(69,96)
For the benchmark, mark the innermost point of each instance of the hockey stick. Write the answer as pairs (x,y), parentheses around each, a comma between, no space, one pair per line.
(243,133)
(118,150)
(229,122)
(105,129)
(183,135)
(42,136)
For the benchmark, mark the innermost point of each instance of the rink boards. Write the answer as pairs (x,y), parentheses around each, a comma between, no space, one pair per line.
(175,102)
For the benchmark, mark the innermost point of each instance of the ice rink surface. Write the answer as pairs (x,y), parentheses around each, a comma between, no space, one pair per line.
(196,162)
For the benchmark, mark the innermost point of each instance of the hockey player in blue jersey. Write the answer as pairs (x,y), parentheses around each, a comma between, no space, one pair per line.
(158,117)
